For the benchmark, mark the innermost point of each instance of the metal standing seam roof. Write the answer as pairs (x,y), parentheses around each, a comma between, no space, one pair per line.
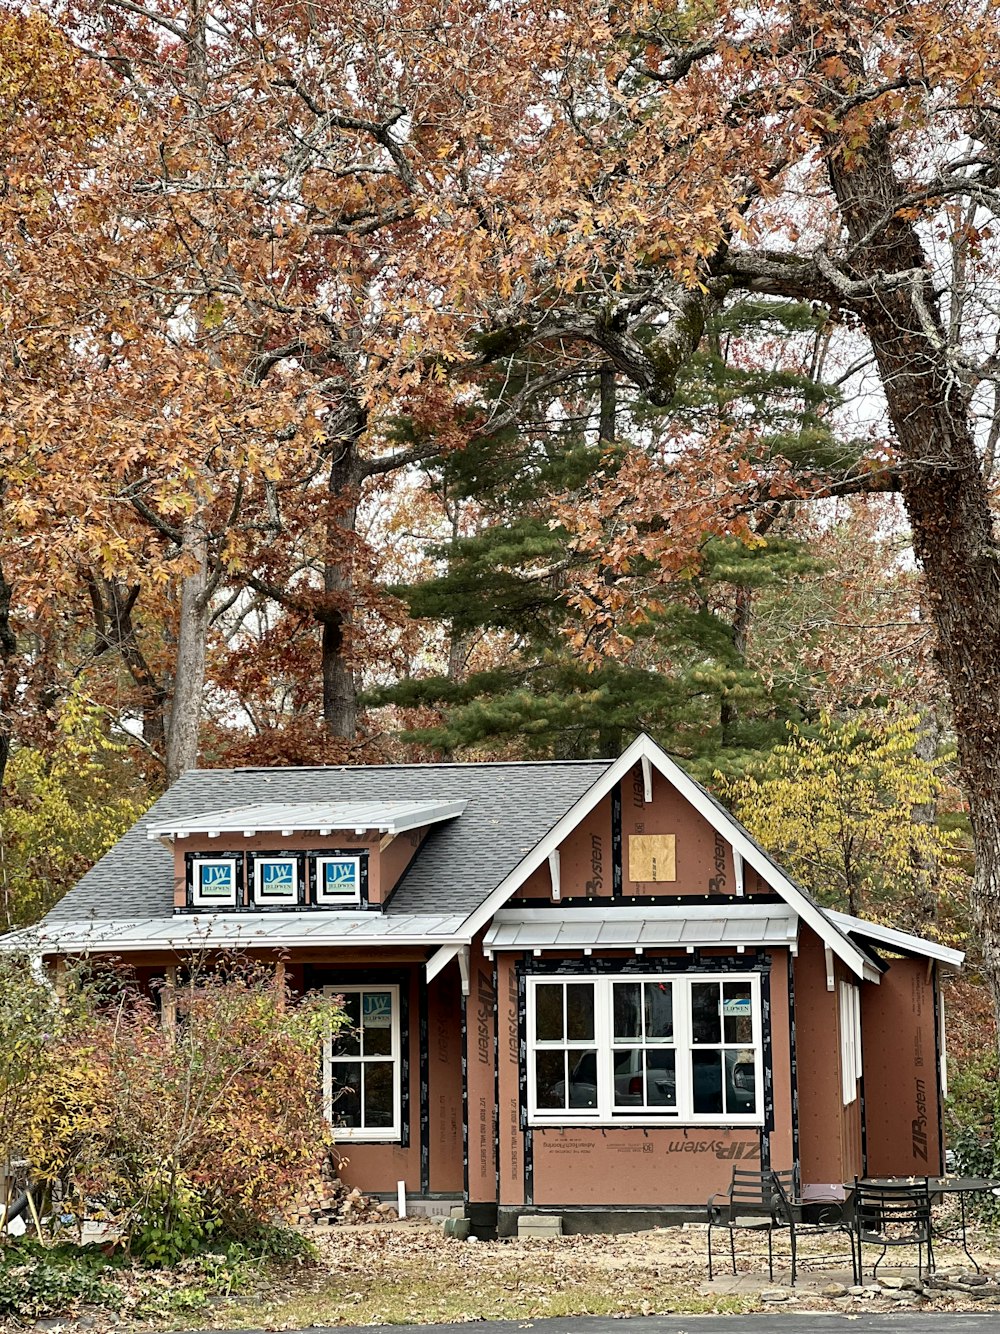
(509,808)
(392,817)
(694,925)
(888,937)
(212,930)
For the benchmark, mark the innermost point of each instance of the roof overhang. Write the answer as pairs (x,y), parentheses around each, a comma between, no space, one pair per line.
(698,926)
(389,817)
(900,942)
(206,931)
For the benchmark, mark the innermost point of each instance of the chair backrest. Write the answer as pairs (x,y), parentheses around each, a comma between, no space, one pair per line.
(886,1206)
(759,1190)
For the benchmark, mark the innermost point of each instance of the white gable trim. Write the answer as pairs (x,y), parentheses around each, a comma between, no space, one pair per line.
(644,748)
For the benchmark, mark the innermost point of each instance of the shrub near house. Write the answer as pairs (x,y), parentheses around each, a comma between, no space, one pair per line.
(177,1137)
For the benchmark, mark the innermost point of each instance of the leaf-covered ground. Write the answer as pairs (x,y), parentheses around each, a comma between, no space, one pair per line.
(408,1272)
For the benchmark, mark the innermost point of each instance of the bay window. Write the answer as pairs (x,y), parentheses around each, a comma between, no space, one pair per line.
(651,1049)
(362,1065)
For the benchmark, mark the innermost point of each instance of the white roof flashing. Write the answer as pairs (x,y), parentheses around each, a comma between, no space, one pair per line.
(286,818)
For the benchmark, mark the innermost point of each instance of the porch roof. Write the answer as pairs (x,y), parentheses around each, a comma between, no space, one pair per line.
(324,817)
(687,925)
(191,931)
(900,942)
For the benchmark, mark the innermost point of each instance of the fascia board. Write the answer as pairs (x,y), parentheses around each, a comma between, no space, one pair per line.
(721,822)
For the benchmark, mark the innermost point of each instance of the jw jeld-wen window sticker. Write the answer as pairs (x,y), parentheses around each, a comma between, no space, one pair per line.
(276,882)
(214,882)
(338,881)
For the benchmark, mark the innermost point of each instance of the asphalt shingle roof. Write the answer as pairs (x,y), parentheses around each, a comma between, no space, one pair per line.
(510,808)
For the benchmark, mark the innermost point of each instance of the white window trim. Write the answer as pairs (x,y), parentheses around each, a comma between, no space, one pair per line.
(850,1041)
(330,901)
(358,1134)
(197,900)
(264,902)
(603,1115)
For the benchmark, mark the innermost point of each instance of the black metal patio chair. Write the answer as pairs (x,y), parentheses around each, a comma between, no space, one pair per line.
(754,1202)
(817,1217)
(891,1215)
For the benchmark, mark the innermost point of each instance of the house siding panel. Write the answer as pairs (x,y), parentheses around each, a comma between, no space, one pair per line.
(481,1096)
(704,860)
(445,1083)
(902,1094)
(830,1136)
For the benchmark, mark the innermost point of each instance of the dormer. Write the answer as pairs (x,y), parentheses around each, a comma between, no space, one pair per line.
(291,857)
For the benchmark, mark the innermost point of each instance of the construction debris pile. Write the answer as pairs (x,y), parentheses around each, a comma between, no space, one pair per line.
(328,1202)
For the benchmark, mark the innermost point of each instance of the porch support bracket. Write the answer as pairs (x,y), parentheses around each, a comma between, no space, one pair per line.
(443,956)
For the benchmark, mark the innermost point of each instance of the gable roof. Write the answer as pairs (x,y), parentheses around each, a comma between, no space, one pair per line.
(509,808)
(645,750)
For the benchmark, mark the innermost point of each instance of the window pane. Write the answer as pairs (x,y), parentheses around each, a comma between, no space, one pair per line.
(628,1020)
(582,1078)
(705,1025)
(580,1013)
(347,1042)
(550,1078)
(346,1093)
(741,1084)
(659,998)
(661,1078)
(628,1077)
(737,1017)
(706,1078)
(377,1023)
(549,1012)
(378,1095)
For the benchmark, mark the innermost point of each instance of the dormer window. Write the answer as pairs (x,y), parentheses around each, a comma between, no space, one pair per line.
(338,881)
(275,882)
(215,882)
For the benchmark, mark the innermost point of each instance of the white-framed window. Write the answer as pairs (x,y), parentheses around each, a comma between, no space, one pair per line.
(850,1041)
(362,1066)
(338,880)
(644,1049)
(275,882)
(214,882)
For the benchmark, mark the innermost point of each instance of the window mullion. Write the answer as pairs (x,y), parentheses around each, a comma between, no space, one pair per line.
(682,1038)
(603,1035)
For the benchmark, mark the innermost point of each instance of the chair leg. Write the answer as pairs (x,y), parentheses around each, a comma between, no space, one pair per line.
(710,1251)
(791,1231)
(732,1249)
(770,1254)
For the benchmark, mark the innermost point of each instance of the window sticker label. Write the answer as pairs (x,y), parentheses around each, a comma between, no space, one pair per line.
(277,880)
(377,1010)
(216,880)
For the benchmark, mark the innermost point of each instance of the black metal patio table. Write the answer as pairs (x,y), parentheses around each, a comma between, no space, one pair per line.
(939,1186)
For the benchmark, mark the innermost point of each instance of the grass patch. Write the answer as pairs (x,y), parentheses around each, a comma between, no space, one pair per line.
(512,1290)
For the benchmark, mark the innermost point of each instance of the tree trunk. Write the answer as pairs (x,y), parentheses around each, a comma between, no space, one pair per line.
(189,680)
(340,691)
(946,498)
(8,648)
